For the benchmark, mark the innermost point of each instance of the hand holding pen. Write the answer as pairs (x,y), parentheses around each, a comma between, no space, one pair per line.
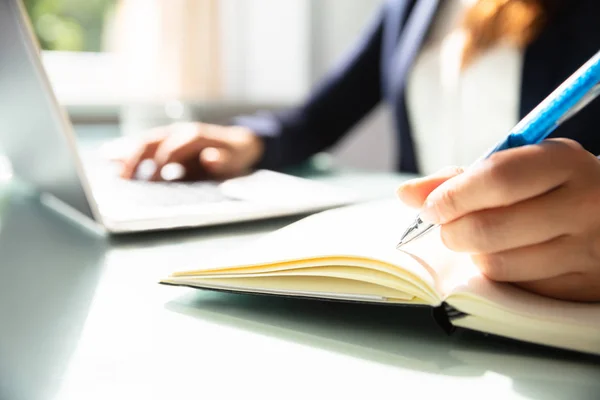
(529,210)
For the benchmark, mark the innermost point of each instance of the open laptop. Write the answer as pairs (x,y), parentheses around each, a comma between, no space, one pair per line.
(38,139)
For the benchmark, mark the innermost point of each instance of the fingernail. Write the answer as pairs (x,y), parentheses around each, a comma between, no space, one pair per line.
(428,213)
(400,191)
(450,170)
(211,155)
(409,184)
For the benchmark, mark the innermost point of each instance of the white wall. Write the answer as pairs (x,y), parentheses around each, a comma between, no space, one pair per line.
(266,49)
(335,24)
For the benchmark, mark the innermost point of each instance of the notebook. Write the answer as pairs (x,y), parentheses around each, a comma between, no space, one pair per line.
(349,254)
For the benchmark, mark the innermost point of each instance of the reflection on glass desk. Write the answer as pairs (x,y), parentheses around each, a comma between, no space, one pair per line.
(82,317)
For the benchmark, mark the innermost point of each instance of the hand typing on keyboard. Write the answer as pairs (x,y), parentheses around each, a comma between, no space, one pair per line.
(204,151)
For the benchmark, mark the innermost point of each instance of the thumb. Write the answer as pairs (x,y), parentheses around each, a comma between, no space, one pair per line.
(216,161)
(414,192)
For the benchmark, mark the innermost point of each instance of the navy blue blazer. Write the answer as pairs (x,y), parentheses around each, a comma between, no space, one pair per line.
(376,70)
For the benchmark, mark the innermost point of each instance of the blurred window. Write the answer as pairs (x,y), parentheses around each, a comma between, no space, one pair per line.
(70,25)
(242,51)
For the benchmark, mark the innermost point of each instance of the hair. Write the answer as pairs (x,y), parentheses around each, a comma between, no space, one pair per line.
(490,22)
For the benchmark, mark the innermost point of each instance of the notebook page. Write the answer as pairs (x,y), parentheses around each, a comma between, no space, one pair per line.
(369,230)
(459,275)
(516,300)
(452,269)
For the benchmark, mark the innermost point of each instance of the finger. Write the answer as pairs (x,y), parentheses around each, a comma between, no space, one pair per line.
(560,256)
(505,178)
(131,164)
(216,161)
(523,224)
(174,149)
(414,192)
(571,287)
(184,143)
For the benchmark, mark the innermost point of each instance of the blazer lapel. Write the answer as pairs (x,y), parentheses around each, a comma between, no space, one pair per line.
(396,13)
(408,45)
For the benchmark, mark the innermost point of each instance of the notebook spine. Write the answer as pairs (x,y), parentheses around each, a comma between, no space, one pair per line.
(453,313)
(445,314)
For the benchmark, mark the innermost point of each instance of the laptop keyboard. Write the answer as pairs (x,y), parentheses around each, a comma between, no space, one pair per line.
(145,193)
(109,187)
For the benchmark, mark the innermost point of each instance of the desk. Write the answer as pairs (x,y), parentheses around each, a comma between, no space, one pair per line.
(82,317)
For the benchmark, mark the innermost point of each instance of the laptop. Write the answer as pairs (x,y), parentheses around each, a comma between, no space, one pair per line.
(38,139)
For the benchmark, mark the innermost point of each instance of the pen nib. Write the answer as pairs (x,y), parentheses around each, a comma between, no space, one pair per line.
(406,235)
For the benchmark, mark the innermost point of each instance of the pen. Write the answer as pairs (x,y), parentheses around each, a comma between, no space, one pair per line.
(564,102)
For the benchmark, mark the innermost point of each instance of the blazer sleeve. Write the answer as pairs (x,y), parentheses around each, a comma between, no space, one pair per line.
(345,95)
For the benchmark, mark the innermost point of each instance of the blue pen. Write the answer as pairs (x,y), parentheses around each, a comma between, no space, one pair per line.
(567,100)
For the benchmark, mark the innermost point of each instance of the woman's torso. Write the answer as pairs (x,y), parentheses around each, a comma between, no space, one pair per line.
(457,115)
(454,117)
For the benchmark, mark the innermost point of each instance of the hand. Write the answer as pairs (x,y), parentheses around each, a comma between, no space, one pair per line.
(530,216)
(205,151)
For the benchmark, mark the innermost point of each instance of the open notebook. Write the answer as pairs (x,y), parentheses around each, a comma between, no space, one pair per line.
(350,254)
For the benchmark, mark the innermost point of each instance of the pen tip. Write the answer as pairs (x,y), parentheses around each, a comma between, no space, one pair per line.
(399,245)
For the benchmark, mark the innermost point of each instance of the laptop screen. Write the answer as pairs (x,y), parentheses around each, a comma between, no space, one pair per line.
(34,135)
